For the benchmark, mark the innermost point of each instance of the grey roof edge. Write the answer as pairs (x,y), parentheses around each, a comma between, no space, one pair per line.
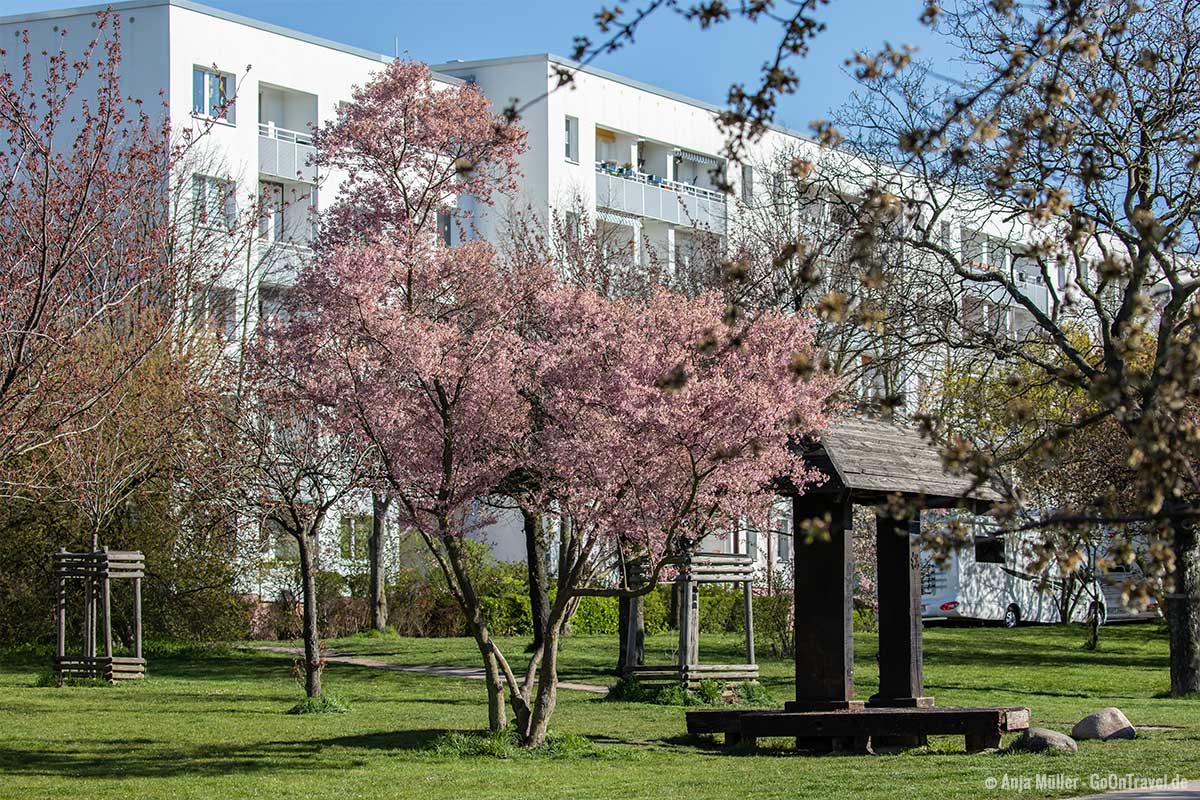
(131,5)
(612,76)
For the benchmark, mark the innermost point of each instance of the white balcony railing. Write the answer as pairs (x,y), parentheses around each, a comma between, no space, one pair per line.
(645,195)
(285,153)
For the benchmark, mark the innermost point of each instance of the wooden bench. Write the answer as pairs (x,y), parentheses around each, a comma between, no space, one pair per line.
(852,730)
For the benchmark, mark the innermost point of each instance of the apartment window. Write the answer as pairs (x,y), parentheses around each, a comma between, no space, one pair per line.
(572,139)
(355,536)
(747,183)
(284,545)
(273,304)
(270,220)
(445,227)
(214,201)
(212,94)
(217,309)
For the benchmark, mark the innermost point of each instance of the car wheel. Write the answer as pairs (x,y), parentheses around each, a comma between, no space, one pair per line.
(1012,616)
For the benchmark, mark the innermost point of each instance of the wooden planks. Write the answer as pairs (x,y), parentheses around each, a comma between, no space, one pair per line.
(96,570)
(692,674)
(879,456)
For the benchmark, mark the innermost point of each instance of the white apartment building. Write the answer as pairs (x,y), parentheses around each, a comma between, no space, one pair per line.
(638,157)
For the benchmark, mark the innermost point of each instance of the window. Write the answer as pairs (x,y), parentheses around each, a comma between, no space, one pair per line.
(989,550)
(214,201)
(282,543)
(356,535)
(572,139)
(747,183)
(212,94)
(217,310)
(270,220)
(784,542)
(273,303)
(445,227)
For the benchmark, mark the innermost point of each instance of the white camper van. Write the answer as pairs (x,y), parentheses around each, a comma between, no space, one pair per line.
(989,578)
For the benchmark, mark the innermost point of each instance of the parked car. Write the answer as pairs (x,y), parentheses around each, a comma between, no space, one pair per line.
(1115,610)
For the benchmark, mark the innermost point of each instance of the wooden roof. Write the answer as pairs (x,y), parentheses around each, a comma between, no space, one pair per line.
(874,456)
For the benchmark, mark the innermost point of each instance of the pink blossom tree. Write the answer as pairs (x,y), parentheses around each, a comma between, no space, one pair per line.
(410,148)
(664,424)
(412,345)
(648,422)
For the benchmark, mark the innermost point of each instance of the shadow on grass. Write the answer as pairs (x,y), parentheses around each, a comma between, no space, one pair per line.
(146,758)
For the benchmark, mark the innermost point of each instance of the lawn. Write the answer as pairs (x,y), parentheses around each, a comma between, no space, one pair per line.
(210,723)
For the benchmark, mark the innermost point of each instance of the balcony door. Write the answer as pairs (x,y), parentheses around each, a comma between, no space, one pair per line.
(270,222)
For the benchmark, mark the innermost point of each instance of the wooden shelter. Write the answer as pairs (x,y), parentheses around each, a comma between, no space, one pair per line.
(95,571)
(695,569)
(893,468)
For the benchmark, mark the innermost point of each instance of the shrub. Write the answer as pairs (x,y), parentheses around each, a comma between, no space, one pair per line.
(657,610)
(628,690)
(775,623)
(325,704)
(595,616)
(753,693)
(710,692)
(865,620)
(506,744)
(673,695)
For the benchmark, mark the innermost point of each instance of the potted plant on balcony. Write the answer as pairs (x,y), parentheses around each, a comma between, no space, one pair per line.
(627,168)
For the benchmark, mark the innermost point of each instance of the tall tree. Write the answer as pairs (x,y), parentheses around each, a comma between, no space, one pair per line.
(93,249)
(290,467)
(1066,135)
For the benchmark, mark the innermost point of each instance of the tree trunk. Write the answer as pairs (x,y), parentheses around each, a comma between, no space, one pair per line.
(312,639)
(1183,610)
(547,690)
(378,592)
(497,713)
(493,675)
(539,580)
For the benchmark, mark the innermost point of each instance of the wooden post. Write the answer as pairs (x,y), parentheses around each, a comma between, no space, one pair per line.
(689,622)
(685,623)
(137,617)
(107,613)
(60,586)
(823,572)
(748,595)
(901,671)
(89,619)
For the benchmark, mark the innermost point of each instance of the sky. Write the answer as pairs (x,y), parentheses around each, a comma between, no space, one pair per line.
(670,52)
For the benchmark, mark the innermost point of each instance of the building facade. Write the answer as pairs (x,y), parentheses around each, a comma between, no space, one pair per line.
(645,164)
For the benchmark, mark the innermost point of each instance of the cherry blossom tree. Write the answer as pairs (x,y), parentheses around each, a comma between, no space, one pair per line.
(292,466)
(647,422)
(667,424)
(412,346)
(409,148)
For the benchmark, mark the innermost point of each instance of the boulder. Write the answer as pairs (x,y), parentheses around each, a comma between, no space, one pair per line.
(1105,724)
(1039,740)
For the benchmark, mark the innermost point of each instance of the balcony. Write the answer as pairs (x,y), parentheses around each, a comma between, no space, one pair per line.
(279,262)
(643,195)
(284,153)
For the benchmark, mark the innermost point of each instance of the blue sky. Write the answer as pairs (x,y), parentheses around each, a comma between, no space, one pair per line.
(670,53)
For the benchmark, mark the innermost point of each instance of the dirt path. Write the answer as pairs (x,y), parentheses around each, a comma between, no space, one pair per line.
(472,673)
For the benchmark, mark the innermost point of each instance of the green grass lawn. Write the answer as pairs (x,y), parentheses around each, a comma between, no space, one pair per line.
(211,724)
